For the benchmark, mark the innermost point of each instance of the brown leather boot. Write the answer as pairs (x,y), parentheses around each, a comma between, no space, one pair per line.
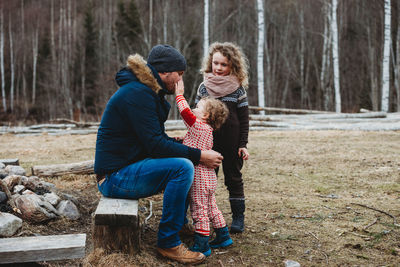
(182,254)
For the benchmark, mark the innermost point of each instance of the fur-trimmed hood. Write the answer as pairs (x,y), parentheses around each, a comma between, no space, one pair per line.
(138,69)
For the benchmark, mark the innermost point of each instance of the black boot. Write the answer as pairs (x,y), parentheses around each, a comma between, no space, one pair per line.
(237,207)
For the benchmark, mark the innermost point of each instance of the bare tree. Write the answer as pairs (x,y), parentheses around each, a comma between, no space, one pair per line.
(386,58)
(35,50)
(12,67)
(397,63)
(3,91)
(335,52)
(205,28)
(260,54)
(326,53)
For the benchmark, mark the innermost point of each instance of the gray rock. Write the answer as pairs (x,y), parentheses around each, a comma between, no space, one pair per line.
(15,170)
(66,196)
(3,173)
(3,197)
(68,209)
(34,209)
(12,180)
(32,182)
(18,189)
(9,224)
(52,198)
(48,186)
(290,263)
(2,165)
(28,192)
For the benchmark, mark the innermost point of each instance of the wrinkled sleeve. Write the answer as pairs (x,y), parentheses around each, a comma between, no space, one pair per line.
(243,115)
(144,119)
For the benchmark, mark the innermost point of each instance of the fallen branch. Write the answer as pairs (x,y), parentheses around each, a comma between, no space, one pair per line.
(381,211)
(10,201)
(220,263)
(369,225)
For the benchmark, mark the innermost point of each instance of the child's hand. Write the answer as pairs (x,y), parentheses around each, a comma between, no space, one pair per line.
(179,88)
(243,153)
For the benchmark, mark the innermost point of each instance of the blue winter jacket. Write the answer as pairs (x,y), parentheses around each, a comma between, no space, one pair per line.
(132,125)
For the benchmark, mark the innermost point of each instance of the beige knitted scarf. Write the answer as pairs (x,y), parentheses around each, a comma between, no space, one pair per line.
(219,86)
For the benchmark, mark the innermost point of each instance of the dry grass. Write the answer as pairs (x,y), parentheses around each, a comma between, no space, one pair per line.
(303,189)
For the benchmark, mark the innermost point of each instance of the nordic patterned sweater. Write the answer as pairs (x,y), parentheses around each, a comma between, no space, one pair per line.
(238,119)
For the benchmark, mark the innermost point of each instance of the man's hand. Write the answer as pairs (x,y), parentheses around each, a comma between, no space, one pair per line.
(179,88)
(211,158)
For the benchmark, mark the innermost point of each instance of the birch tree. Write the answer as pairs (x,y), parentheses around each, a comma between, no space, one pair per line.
(3,91)
(35,47)
(260,54)
(12,67)
(206,26)
(335,52)
(386,58)
(326,53)
(397,64)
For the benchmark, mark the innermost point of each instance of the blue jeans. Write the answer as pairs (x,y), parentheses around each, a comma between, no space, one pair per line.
(149,177)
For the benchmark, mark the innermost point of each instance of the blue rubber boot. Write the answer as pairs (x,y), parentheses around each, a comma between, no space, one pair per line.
(222,239)
(201,244)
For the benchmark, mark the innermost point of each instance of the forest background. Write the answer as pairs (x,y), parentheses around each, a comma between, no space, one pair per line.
(58,58)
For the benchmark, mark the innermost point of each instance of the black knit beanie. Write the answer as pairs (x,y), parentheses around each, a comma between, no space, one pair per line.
(165,58)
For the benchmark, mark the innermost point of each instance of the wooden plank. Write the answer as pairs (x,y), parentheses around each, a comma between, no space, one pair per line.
(10,161)
(42,248)
(117,212)
(85,167)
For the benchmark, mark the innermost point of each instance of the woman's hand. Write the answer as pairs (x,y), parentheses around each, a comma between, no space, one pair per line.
(243,153)
(179,88)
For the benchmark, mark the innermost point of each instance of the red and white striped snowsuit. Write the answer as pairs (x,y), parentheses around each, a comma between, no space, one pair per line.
(203,206)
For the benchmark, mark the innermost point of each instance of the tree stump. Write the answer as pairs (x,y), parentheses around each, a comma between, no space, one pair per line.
(116,225)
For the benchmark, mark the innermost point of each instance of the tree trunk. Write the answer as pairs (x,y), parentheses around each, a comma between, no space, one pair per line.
(12,67)
(325,52)
(35,44)
(84,167)
(24,92)
(386,58)
(206,27)
(3,90)
(260,54)
(372,70)
(335,48)
(397,64)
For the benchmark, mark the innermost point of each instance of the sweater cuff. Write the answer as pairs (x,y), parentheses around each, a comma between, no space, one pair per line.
(194,155)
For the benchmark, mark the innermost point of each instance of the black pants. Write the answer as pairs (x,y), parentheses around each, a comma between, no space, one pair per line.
(226,142)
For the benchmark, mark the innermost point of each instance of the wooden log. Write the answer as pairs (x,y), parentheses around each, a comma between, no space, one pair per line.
(76,123)
(10,161)
(116,225)
(85,167)
(42,248)
(288,110)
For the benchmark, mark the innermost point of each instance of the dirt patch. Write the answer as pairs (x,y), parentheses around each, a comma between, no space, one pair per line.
(321,198)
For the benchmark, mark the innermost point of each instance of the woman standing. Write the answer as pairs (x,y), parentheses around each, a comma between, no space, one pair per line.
(225,71)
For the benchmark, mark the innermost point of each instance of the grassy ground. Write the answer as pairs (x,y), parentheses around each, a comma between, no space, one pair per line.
(321,198)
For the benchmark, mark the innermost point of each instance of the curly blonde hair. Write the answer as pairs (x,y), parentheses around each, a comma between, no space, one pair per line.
(217,112)
(237,60)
